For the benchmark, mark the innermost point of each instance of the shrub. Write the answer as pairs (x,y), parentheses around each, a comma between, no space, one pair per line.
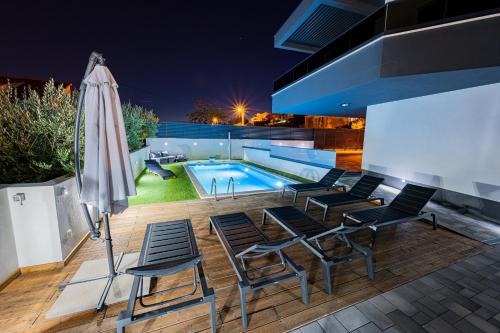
(36,132)
(139,125)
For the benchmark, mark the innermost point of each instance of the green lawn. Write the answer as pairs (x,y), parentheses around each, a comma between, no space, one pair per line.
(153,189)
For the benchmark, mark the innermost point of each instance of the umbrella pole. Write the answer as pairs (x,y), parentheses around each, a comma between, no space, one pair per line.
(94,232)
(112,267)
(93,60)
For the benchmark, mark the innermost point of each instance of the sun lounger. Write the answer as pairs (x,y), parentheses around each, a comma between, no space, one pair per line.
(168,248)
(325,183)
(155,168)
(300,224)
(360,192)
(243,243)
(406,206)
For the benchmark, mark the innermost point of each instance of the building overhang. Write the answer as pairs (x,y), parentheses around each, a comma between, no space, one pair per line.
(314,23)
(397,66)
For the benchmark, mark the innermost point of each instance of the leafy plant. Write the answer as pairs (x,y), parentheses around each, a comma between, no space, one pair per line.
(139,125)
(36,132)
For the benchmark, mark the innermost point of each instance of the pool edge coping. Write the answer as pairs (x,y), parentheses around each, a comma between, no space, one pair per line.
(204,195)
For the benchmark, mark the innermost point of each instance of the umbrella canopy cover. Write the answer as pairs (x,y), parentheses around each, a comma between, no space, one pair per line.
(107,172)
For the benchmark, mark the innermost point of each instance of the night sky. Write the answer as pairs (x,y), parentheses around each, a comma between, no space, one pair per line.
(163,54)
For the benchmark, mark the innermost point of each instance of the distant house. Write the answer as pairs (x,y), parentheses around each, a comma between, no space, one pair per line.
(22,83)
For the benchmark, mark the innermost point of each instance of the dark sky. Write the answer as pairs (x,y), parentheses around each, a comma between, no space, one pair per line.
(163,54)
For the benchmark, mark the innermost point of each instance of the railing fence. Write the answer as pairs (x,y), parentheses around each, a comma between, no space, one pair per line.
(340,138)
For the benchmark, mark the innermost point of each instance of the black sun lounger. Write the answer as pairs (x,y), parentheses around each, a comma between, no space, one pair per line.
(168,248)
(406,206)
(299,223)
(155,168)
(360,192)
(243,241)
(325,183)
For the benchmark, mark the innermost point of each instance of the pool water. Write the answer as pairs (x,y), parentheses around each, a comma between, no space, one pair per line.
(246,178)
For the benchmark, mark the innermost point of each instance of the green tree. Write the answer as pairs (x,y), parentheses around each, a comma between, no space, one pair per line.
(139,125)
(36,133)
(208,113)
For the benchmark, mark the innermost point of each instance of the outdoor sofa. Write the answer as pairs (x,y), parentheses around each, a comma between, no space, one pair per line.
(165,157)
(325,183)
(360,192)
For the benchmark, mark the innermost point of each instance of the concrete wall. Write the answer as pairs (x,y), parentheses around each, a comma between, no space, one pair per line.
(197,149)
(8,253)
(137,159)
(447,140)
(293,160)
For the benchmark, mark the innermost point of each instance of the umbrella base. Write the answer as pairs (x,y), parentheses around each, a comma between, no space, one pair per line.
(84,296)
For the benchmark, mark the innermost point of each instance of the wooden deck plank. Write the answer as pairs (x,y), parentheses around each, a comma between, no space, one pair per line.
(402,253)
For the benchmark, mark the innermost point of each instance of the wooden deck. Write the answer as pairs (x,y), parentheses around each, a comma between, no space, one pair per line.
(402,254)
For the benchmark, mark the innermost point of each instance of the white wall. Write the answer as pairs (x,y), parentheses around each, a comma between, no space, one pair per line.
(447,140)
(197,149)
(8,253)
(264,157)
(137,159)
(35,226)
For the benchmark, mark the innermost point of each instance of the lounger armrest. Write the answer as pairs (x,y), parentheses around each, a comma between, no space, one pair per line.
(342,230)
(271,246)
(165,268)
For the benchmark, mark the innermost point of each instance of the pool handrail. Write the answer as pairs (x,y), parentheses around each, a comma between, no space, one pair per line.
(214,186)
(231,181)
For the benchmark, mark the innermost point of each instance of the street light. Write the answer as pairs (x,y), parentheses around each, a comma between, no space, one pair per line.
(215,121)
(240,108)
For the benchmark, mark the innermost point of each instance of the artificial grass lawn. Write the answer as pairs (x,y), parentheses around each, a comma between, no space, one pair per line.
(153,189)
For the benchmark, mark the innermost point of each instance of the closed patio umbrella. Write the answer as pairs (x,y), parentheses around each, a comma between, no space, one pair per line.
(107,176)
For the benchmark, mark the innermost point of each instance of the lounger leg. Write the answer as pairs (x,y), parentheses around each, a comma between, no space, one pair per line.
(327,278)
(122,321)
(264,216)
(325,213)
(283,192)
(295,196)
(307,204)
(434,221)
(369,265)
(374,237)
(243,305)
(382,201)
(212,314)
(210,227)
(303,286)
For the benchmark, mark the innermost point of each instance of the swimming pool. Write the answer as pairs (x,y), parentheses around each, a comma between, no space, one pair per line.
(246,178)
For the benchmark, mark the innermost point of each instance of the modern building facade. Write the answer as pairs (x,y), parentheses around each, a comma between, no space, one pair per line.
(425,74)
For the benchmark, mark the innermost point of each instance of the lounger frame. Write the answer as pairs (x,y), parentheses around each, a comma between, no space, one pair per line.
(246,285)
(319,185)
(128,317)
(375,225)
(327,261)
(326,207)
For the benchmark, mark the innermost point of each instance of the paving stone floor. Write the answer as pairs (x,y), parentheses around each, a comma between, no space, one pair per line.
(464,297)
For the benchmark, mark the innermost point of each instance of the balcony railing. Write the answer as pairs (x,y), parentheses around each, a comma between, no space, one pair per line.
(397,16)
